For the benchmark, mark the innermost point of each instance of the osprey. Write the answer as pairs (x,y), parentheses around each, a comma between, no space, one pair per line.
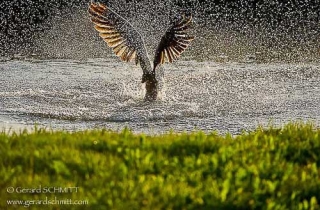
(127,43)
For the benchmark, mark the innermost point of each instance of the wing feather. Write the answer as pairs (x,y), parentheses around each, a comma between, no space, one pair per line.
(115,43)
(119,35)
(162,57)
(100,21)
(168,56)
(124,54)
(176,51)
(171,54)
(184,22)
(114,39)
(174,42)
(118,50)
(130,55)
(110,37)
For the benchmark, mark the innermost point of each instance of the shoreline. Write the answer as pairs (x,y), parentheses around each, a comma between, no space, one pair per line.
(14,127)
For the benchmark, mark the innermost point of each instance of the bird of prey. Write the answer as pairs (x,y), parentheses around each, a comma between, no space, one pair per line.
(127,43)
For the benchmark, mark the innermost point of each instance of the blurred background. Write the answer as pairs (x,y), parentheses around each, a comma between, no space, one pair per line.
(272,30)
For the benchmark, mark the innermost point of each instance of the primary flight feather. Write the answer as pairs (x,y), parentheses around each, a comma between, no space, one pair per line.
(128,44)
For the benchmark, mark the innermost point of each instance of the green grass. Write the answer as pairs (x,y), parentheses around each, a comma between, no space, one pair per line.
(264,169)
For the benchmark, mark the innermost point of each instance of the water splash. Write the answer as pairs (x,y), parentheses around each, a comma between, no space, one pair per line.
(251,62)
(206,95)
(226,31)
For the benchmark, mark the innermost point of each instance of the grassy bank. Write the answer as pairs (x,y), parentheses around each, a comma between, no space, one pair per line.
(265,169)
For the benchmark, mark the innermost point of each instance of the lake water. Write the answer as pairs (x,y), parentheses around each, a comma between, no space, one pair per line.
(105,93)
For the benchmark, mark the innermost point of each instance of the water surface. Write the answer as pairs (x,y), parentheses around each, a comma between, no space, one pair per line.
(105,93)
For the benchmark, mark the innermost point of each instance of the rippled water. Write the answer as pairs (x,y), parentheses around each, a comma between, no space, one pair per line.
(228,97)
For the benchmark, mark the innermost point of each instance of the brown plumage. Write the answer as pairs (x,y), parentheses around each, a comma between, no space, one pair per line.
(109,32)
(174,42)
(127,43)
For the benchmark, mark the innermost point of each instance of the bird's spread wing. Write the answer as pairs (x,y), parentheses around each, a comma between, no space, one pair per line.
(174,42)
(125,41)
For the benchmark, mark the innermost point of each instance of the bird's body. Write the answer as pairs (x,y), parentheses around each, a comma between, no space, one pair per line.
(127,43)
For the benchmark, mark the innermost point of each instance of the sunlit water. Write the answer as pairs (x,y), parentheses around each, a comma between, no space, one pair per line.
(105,93)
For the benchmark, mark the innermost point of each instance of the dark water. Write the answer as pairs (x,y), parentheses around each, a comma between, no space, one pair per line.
(94,93)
